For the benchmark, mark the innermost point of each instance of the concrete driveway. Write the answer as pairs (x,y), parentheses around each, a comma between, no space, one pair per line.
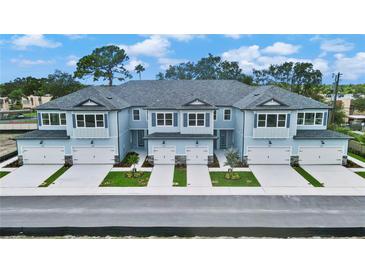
(335,176)
(28,175)
(278,176)
(162,175)
(83,176)
(198,176)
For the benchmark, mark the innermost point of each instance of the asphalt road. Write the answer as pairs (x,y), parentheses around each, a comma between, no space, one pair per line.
(183,211)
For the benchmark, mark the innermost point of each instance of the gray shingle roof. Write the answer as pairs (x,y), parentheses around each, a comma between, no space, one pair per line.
(320,134)
(176,135)
(44,134)
(175,94)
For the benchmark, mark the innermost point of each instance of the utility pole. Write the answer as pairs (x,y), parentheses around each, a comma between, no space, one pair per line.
(335,90)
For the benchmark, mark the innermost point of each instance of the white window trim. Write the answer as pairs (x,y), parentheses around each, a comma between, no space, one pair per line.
(230,114)
(277,119)
(196,119)
(314,122)
(49,118)
(139,114)
(164,119)
(85,121)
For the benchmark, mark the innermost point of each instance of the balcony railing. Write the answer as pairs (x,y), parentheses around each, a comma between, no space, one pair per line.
(271,132)
(91,133)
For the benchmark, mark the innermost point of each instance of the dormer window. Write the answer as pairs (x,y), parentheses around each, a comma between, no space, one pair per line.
(53,119)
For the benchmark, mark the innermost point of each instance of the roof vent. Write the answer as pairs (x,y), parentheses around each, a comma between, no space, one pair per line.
(109,97)
(256,94)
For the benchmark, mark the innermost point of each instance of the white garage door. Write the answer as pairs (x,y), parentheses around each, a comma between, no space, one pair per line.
(164,155)
(197,155)
(320,155)
(93,155)
(43,155)
(269,155)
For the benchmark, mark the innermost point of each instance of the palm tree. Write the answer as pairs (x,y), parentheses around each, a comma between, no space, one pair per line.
(139,69)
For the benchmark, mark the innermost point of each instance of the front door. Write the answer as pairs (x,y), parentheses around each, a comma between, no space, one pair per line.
(223,139)
(215,146)
(140,136)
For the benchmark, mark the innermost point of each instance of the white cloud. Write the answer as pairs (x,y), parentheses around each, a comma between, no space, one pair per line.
(253,57)
(335,45)
(35,40)
(76,36)
(183,37)
(166,62)
(281,48)
(133,63)
(233,36)
(155,46)
(352,68)
(72,61)
(28,62)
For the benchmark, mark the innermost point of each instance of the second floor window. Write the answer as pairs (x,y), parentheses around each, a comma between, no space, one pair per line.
(227,115)
(196,119)
(164,119)
(310,118)
(54,119)
(271,120)
(136,115)
(90,120)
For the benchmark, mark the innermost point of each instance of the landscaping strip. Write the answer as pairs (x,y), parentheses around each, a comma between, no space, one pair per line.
(126,179)
(180,177)
(54,176)
(244,179)
(3,173)
(362,174)
(313,181)
(358,157)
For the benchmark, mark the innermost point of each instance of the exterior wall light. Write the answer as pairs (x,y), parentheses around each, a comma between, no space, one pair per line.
(270,143)
(322,142)
(197,142)
(163,142)
(92,142)
(41,142)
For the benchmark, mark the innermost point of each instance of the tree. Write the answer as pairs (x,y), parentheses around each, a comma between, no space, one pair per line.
(300,78)
(232,158)
(60,83)
(358,104)
(139,69)
(339,114)
(207,68)
(16,97)
(106,63)
(29,86)
(133,159)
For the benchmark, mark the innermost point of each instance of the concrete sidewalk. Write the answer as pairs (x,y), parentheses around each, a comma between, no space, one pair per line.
(356,161)
(184,191)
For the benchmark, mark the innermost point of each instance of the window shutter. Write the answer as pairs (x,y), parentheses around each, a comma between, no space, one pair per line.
(207,119)
(288,120)
(73,120)
(255,121)
(175,119)
(153,119)
(325,119)
(185,119)
(106,120)
(39,119)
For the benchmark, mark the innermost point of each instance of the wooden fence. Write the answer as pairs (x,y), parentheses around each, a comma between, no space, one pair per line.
(357,147)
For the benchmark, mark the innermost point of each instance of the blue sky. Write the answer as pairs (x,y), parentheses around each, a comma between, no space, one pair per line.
(40,55)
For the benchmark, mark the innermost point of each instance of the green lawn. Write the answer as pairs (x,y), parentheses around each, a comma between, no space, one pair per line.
(3,173)
(362,174)
(120,179)
(30,114)
(180,177)
(54,176)
(313,181)
(246,179)
(358,157)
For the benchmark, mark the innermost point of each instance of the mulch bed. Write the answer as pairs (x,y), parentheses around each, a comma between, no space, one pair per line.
(13,164)
(146,163)
(351,164)
(123,162)
(215,162)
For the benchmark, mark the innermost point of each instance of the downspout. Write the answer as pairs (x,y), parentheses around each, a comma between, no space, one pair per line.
(243,133)
(118,134)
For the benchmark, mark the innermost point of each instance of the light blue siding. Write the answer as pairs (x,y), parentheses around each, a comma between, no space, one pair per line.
(142,123)
(124,133)
(219,123)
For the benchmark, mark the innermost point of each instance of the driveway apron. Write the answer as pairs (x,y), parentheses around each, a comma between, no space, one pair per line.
(28,176)
(198,176)
(335,176)
(278,176)
(83,176)
(162,176)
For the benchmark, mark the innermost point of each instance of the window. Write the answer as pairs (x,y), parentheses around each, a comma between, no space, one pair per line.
(310,118)
(215,115)
(136,116)
(271,120)
(53,119)
(196,119)
(164,119)
(90,120)
(227,115)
